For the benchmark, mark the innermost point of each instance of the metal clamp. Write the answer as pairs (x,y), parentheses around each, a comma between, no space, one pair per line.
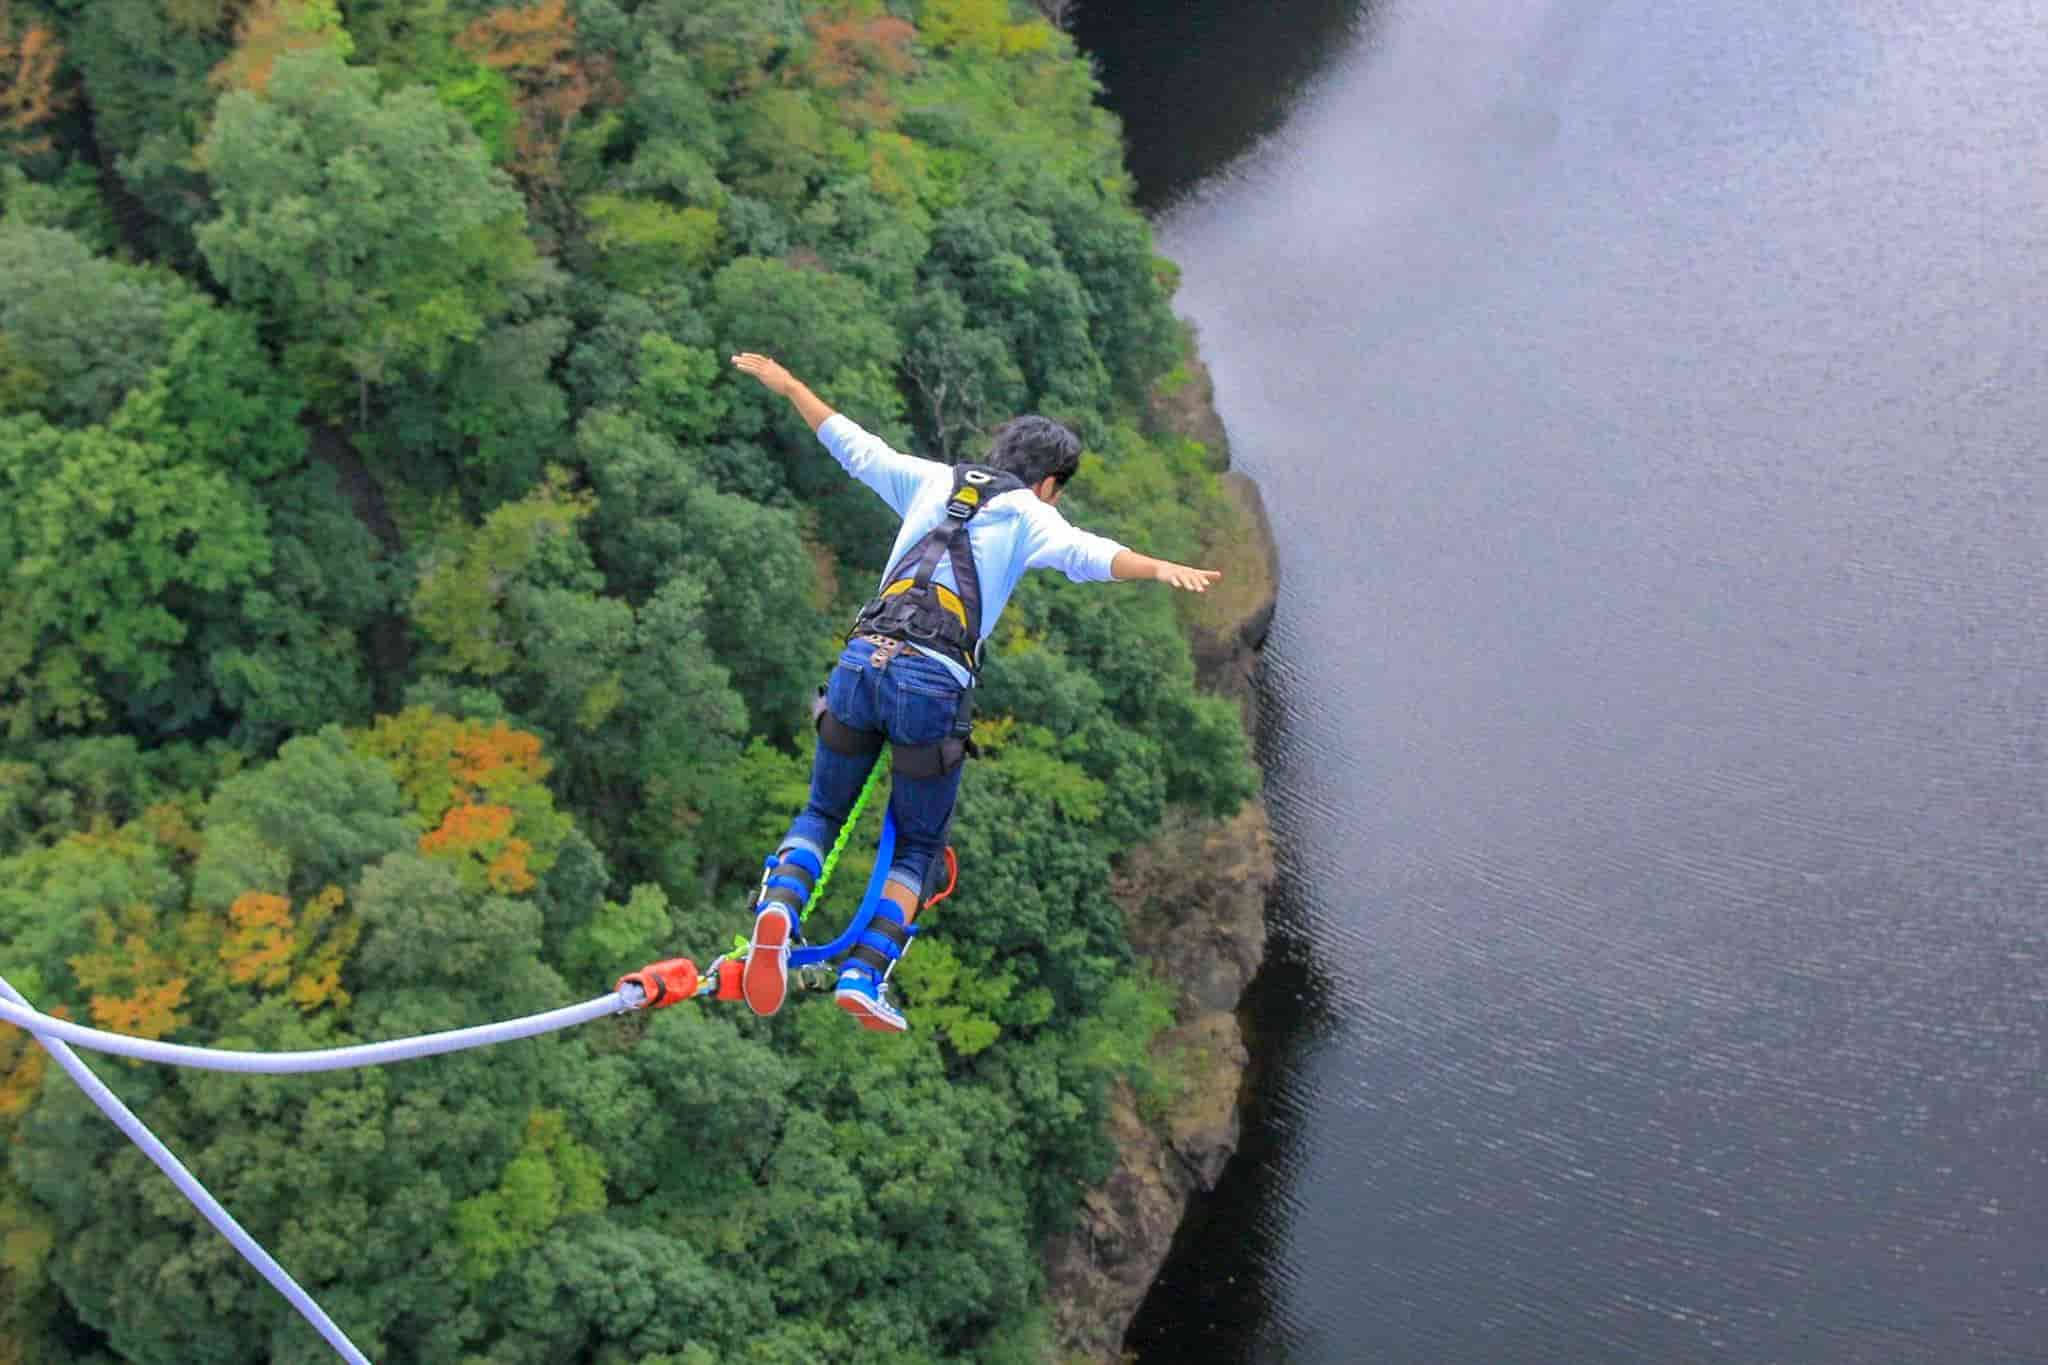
(887,647)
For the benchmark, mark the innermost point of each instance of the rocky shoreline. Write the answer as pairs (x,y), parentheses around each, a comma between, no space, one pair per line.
(1194,900)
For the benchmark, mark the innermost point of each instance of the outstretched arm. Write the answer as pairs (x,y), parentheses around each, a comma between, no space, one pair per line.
(895,476)
(776,379)
(1131,564)
(1089,558)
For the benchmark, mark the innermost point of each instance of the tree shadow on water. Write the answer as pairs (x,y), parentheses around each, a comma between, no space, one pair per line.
(1198,82)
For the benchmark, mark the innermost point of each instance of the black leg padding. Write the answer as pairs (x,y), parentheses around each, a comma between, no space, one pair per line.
(844,739)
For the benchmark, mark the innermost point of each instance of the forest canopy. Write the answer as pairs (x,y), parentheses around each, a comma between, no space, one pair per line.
(410,621)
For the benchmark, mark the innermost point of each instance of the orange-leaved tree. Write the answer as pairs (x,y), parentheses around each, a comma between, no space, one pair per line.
(133,973)
(22,1064)
(29,62)
(858,58)
(268,29)
(535,47)
(477,791)
(270,946)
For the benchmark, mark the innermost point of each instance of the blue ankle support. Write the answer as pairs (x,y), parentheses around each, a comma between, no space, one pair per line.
(882,944)
(790,875)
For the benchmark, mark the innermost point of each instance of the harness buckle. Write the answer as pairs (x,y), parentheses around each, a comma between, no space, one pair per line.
(887,647)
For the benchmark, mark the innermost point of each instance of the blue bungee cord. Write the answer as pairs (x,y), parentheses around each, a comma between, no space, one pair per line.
(323,1059)
(54,1034)
(188,1184)
(655,986)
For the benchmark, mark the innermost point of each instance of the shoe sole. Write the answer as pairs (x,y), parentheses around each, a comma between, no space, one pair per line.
(765,980)
(863,1009)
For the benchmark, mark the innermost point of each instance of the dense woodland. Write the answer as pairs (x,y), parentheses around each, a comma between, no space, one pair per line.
(410,621)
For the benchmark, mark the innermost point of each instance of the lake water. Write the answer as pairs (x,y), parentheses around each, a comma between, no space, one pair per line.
(1650,400)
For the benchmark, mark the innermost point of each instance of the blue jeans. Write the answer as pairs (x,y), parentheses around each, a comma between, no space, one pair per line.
(913,701)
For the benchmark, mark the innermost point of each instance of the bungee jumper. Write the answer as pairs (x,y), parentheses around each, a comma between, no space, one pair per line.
(905,680)
(907,674)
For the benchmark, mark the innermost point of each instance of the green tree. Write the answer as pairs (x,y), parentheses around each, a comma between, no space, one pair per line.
(290,659)
(313,817)
(964,376)
(782,148)
(729,42)
(688,726)
(676,134)
(1127,288)
(65,786)
(49,896)
(682,391)
(830,328)
(971,27)
(827,325)
(371,226)
(935,232)
(223,400)
(642,242)
(501,397)
(644,484)
(1007,270)
(486,427)
(69,201)
(109,536)
(144,73)
(574,654)
(659,516)
(463,603)
(89,329)
(620,936)
(603,363)
(21,386)
(406,39)
(763,622)
(552,1177)
(876,227)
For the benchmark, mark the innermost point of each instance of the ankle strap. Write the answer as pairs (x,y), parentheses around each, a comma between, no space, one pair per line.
(881,944)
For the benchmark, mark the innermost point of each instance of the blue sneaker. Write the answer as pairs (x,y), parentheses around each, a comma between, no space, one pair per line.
(864,997)
(863,990)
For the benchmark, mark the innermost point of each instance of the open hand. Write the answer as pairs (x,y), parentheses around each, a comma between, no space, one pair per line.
(1185,578)
(773,377)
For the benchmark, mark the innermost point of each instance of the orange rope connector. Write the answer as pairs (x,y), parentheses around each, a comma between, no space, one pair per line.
(952,878)
(664,982)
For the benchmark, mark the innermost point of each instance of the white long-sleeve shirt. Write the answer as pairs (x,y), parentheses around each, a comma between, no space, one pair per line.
(1010,534)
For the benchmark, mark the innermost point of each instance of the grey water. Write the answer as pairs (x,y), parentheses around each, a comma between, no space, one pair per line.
(1649,397)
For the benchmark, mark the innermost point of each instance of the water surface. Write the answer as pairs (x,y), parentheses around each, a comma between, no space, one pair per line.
(1649,399)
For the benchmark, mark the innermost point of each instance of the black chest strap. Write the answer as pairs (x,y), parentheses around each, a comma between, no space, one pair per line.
(913,607)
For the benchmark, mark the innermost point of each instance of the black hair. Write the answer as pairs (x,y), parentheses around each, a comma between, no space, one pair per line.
(1033,448)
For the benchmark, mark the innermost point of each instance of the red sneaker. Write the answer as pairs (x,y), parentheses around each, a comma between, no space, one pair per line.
(765,979)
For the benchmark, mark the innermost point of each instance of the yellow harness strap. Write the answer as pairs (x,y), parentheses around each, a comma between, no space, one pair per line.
(948,599)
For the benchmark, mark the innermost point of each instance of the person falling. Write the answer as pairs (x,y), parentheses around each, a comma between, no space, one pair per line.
(907,673)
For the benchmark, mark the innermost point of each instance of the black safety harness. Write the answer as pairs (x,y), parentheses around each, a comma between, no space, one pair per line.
(913,609)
